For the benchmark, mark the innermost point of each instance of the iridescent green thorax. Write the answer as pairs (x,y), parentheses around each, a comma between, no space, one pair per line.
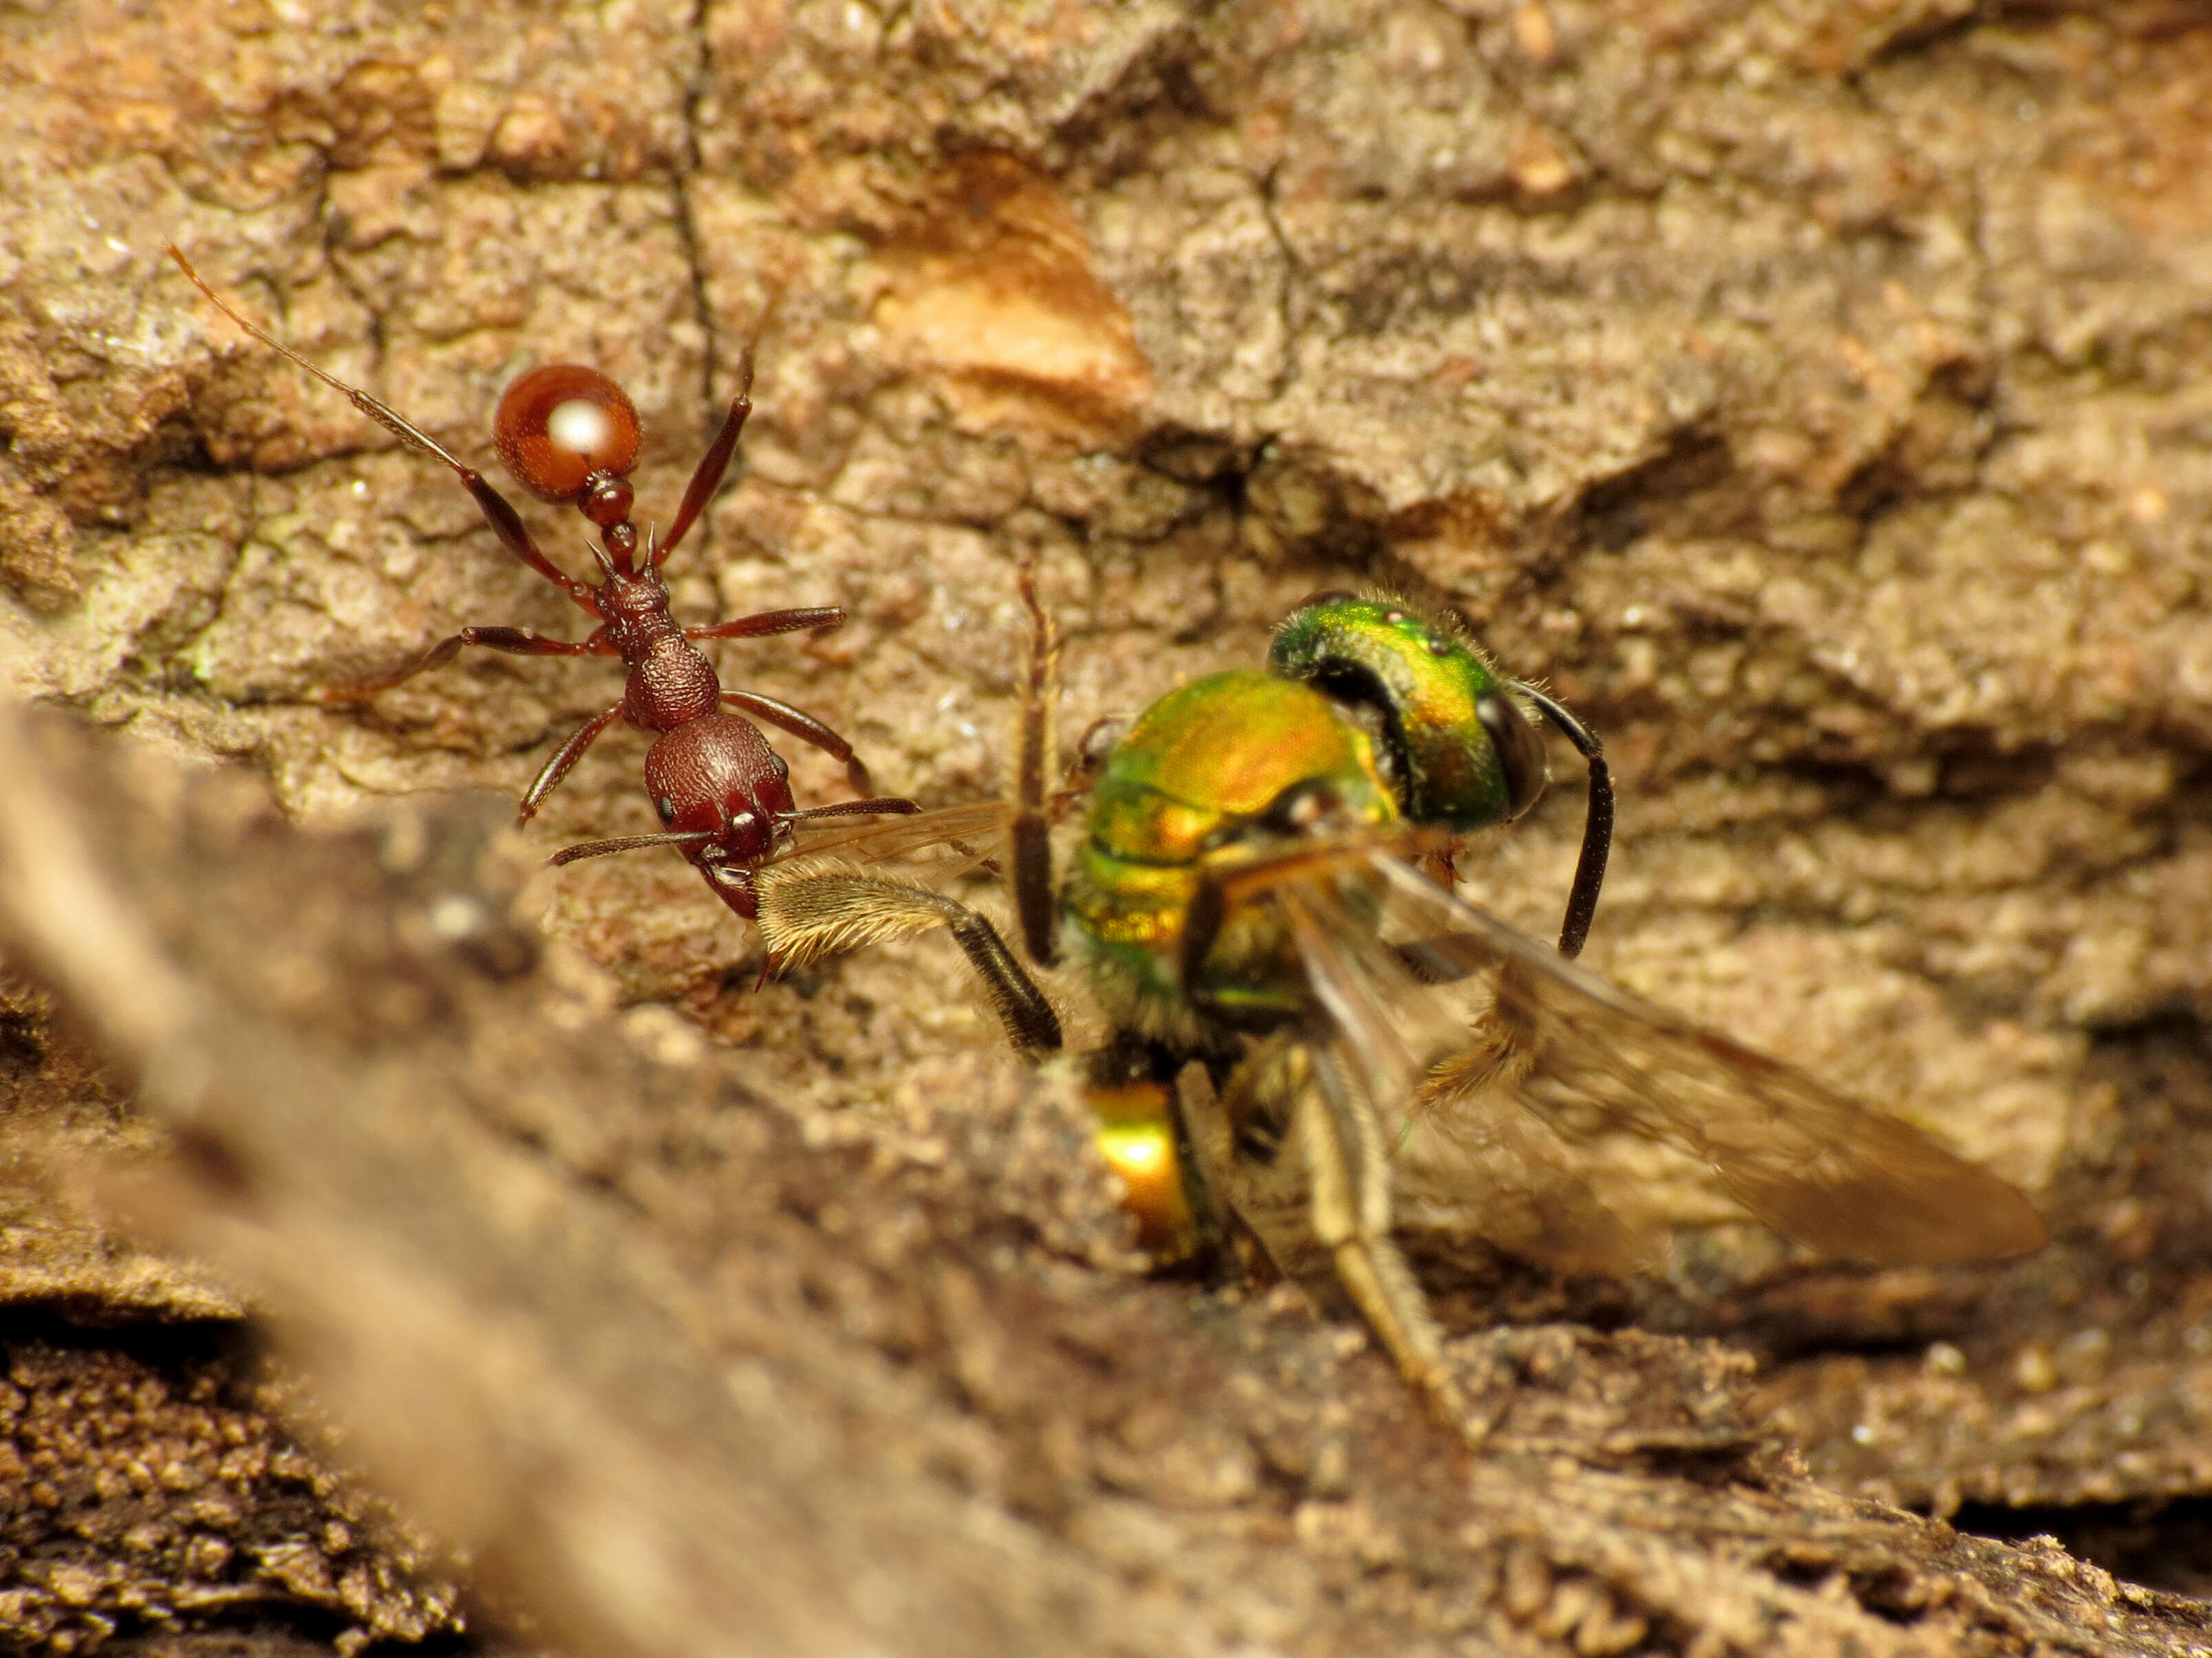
(1421,683)
(1191,783)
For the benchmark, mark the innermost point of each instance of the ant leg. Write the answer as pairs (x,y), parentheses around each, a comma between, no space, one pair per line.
(506,523)
(807,729)
(1030,833)
(515,642)
(707,476)
(806,913)
(808,618)
(559,765)
(1348,1175)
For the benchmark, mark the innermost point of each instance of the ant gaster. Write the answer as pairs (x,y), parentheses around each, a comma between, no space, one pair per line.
(569,435)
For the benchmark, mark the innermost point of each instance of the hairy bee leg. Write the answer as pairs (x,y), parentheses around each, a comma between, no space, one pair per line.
(1349,1170)
(806,913)
(1030,833)
(1208,1144)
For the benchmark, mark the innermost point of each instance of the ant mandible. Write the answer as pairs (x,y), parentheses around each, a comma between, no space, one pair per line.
(569,435)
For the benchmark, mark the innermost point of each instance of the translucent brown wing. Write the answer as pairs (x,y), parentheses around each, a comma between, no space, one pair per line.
(967,832)
(1506,1176)
(1587,1059)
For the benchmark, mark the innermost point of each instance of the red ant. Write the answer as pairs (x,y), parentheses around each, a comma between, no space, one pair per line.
(569,435)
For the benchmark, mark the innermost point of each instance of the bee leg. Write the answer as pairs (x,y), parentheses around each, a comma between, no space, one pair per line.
(1030,833)
(1206,1143)
(1348,1167)
(805,912)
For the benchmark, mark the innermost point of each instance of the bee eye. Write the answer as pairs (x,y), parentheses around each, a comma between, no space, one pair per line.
(1520,751)
(1302,808)
(1097,747)
(559,425)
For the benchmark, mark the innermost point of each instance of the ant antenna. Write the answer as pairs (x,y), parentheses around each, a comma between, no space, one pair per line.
(369,406)
(626,843)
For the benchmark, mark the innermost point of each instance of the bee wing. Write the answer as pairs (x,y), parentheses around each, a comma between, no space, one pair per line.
(1588,1057)
(1508,1174)
(888,839)
(1393,1029)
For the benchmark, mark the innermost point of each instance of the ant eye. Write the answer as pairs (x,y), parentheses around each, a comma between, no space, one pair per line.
(559,424)
(665,807)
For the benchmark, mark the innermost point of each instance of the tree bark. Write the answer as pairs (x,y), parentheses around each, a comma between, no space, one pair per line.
(1806,392)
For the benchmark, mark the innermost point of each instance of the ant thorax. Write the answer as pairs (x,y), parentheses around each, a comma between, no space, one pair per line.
(670,683)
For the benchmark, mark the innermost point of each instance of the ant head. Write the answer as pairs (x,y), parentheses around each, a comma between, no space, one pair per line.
(569,435)
(717,776)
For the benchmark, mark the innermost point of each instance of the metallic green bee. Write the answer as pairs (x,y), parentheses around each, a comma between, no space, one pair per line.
(1309,1031)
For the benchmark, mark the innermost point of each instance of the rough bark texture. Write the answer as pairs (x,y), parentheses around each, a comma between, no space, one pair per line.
(1810,392)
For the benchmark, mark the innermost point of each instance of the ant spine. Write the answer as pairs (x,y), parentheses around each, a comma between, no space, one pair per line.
(569,435)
